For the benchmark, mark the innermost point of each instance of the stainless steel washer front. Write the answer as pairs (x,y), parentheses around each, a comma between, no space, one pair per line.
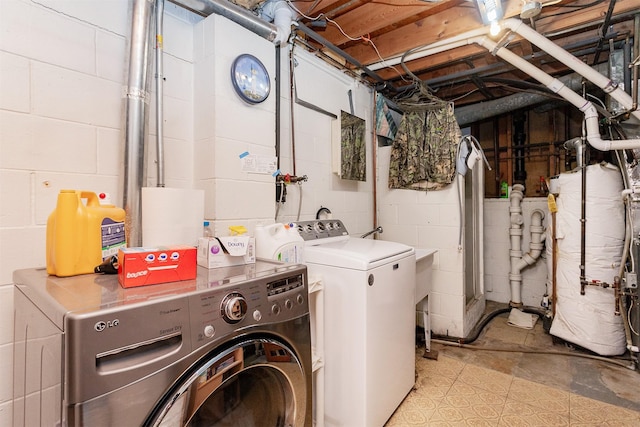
(232,347)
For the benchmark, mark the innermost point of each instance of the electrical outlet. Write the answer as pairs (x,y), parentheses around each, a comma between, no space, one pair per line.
(630,280)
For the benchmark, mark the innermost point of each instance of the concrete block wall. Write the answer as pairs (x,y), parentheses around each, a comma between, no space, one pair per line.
(60,127)
(62,71)
(316,136)
(428,219)
(227,127)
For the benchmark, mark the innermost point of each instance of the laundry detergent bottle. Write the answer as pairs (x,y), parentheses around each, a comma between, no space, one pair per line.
(81,235)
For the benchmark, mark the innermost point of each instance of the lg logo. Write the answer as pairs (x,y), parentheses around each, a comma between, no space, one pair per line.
(102,325)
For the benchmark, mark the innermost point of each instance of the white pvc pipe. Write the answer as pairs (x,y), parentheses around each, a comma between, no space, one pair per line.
(556,86)
(515,236)
(519,261)
(479,36)
(604,83)
(278,12)
(537,236)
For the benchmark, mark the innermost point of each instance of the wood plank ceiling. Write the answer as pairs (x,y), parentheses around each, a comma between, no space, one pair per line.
(368,31)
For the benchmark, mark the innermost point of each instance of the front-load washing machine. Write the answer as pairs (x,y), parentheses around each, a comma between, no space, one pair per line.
(369,322)
(230,348)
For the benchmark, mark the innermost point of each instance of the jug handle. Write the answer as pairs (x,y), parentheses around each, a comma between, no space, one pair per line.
(92,198)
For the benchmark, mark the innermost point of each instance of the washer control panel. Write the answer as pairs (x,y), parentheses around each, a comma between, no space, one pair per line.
(321,229)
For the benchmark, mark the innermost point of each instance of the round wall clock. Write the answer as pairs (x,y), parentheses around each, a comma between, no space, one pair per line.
(250,79)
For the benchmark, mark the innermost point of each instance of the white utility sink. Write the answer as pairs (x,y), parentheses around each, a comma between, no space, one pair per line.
(424,262)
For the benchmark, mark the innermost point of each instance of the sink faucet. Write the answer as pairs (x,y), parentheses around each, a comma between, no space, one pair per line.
(378,229)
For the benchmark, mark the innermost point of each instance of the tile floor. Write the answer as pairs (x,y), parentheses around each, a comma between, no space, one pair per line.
(466,387)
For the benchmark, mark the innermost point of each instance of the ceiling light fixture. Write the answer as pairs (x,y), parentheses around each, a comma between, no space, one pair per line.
(530,9)
(491,12)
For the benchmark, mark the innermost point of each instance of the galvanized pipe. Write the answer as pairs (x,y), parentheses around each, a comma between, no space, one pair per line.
(136,100)
(232,12)
(474,113)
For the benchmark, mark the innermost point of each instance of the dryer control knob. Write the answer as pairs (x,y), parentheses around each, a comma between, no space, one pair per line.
(233,307)
(209,331)
(288,304)
(257,316)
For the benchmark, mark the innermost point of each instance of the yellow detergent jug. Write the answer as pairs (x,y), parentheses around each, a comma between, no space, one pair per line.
(80,236)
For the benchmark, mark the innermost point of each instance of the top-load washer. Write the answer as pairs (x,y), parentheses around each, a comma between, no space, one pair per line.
(369,322)
(229,348)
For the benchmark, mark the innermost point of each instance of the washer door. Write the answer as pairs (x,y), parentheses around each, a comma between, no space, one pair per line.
(255,382)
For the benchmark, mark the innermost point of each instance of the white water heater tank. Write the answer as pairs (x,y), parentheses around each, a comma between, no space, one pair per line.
(588,320)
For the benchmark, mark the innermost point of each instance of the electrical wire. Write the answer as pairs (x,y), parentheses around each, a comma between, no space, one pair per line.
(629,320)
(360,38)
(572,8)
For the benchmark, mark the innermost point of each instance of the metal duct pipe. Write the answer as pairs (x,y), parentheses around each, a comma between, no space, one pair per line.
(474,113)
(136,113)
(232,12)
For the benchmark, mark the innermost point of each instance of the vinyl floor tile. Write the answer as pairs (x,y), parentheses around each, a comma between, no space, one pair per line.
(481,387)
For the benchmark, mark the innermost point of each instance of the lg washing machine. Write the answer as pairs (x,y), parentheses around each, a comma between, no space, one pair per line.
(231,348)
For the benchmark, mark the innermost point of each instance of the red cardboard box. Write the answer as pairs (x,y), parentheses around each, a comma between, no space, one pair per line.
(149,266)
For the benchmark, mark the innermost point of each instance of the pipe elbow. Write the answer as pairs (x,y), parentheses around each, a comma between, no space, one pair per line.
(512,24)
(537,216)
(278,12)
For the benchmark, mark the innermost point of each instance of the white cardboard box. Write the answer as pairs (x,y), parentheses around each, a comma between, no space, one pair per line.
(216,252)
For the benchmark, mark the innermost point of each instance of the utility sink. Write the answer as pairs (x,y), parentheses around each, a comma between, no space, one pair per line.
(424,263)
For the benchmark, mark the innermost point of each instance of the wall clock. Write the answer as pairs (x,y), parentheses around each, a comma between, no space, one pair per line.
(250,79)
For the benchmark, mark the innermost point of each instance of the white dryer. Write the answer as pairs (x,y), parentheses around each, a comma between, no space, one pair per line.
(369,322)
